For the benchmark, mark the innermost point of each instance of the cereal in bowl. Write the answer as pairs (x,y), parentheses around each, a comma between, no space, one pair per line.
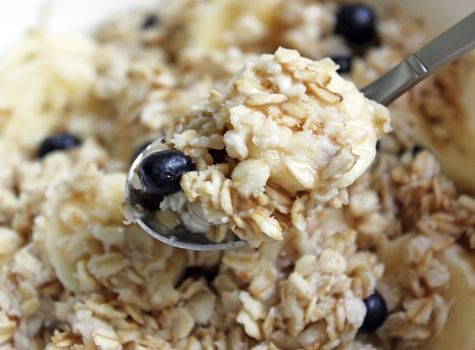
(376,257)
(290,134)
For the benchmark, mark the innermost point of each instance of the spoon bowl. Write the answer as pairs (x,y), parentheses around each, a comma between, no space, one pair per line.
(177,236)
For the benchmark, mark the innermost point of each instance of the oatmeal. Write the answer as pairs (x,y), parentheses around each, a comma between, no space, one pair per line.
(292,134)
(384,260)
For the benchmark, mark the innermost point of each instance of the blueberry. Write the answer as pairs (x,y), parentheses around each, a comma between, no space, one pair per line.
(417,149)
(150,21)
(57,142)
(356,23)
(160,172)
(139,150)
(376,313)
(344,62)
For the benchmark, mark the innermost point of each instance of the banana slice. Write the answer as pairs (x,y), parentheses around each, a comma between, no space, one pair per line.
(63,247)
(452,136)
(58,74)
(458,332)
(207,25)
(213,18)
(54,237)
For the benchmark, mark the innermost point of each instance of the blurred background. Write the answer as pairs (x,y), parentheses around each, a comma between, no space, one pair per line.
(61,16)
(79,15)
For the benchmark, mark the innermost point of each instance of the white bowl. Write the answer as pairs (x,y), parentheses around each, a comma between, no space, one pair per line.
(72,16)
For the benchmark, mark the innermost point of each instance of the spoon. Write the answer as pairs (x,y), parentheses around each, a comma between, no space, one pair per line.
(445,48)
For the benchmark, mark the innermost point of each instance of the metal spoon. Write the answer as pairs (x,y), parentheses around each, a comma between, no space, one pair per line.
(445,48)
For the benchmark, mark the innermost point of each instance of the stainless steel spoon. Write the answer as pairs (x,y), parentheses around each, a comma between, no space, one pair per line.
(445,48)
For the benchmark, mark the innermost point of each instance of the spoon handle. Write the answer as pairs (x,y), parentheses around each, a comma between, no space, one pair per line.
(445,48)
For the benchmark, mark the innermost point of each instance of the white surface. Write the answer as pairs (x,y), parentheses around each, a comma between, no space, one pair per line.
(62,16)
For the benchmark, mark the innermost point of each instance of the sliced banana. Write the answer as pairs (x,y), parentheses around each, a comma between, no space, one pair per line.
(57,73)
(50,230)
(213,18)
(458,332)
(60,244)
(452,137)
(206,27)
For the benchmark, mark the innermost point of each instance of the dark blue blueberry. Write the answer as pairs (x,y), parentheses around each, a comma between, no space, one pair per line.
(417,149)
(160,172)
(150,21)
(139,150)
(344,62)
(356,23)
(57,142)
(376,313)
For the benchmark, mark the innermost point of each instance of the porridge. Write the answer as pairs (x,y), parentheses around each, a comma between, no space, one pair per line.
(365,258)
(291,134)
